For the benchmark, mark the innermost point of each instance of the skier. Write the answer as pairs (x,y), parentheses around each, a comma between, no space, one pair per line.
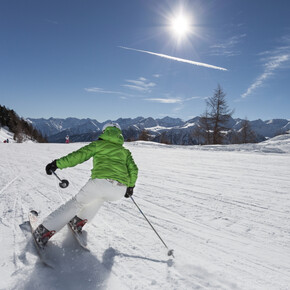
(113,176)
(67,139)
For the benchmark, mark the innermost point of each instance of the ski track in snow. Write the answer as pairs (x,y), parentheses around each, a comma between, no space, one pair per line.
(223,209)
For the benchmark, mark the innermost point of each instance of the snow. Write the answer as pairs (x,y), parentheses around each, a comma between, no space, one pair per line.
(5,134)
(159,128)
(225,210)
(188,125)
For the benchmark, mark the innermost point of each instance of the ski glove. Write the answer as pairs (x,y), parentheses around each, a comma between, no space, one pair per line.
(51,167)
(129,192)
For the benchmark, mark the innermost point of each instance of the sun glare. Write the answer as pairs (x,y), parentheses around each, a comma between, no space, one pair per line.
(180,25)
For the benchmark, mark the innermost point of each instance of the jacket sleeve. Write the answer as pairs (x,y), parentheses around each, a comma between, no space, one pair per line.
(77,157)
(132,169)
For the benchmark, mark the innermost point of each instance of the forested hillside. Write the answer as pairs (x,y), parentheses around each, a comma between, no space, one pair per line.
(22,129)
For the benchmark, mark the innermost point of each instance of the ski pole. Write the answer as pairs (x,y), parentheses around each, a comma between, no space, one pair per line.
(63,182)
(170,252)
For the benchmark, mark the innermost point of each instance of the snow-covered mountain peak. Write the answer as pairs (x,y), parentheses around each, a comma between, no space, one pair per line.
(176,130)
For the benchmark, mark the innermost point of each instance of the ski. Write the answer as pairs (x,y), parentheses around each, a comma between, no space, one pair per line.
(33,222)
(79,237)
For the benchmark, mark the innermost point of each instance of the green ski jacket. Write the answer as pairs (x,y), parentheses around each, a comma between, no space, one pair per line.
(110,159)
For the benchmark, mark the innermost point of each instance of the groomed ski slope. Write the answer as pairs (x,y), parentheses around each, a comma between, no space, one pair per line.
(225,210)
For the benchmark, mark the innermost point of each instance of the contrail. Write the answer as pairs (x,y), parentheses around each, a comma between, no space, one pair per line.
(177,58)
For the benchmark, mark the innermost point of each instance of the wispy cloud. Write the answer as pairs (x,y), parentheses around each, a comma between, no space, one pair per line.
(171,100)
(100,90)
(177,58)
(272,61)
(228,47)
(141,85)
(165,100)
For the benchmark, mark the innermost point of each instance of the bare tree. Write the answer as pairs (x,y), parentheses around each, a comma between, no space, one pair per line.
(218,115)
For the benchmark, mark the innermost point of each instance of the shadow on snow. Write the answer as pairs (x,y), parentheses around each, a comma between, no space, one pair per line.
(74,268)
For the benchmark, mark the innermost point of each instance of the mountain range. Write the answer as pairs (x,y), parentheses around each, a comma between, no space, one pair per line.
(173,130)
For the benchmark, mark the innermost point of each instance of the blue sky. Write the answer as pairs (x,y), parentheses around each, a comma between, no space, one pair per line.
(106,59)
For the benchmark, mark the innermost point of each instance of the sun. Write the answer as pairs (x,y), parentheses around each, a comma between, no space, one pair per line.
(180,25)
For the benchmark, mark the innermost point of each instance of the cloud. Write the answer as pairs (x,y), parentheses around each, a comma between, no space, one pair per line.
(171,100)
(165,100)
(273,60)
(141,85)
(137,88)
(228,47)
(100,90)
(176,58)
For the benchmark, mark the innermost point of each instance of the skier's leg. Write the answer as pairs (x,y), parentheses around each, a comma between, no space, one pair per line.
(90,198)
(61,216)
(90,210)
(55,221)
(98,191)
(86,203)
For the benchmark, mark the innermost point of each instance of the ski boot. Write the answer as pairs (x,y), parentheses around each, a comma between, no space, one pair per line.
(42,235)
(77,224)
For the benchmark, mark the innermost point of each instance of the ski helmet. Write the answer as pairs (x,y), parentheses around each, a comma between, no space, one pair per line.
(111,124)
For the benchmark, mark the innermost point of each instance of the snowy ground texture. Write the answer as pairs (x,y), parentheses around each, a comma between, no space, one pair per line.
(225,210)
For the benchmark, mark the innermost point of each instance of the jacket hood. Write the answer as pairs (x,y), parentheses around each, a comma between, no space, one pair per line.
(113,135)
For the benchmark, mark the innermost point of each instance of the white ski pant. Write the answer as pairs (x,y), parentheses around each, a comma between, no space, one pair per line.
(86,203)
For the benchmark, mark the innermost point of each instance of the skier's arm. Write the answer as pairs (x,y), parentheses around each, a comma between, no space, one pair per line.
(77,157)
(132,169)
